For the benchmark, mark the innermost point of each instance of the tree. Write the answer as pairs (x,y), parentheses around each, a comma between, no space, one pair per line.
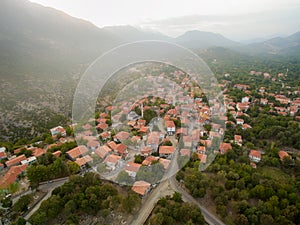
(124,178)
(177,197)
(138,159)
(22,204)
(38,218)
(149,114)
(73,168)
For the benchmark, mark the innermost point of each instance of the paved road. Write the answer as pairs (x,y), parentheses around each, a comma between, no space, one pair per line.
(47,187)
(168,186)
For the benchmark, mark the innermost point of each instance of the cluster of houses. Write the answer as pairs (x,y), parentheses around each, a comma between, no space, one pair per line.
(15,164)
(117,149)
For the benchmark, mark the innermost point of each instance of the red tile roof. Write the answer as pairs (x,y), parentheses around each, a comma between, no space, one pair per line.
(12,175)
(57,153)
(170,124)
(255,153)
(84,160)
(166,149)
(141,187)
(148,161)
(38,152)
(112,159)
(77,151)
(224,147)
(15,161)
(133,167)
(122,135)
(102,151)
(282,154)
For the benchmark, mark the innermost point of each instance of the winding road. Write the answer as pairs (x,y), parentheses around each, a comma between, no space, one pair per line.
(168,186)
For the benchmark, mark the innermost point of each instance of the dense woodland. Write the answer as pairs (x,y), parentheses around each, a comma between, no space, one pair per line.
(83,197)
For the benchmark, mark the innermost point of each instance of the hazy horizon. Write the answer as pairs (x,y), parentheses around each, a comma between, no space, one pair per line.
(239,21)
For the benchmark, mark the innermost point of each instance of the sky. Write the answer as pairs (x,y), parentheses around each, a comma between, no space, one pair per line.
(236,19)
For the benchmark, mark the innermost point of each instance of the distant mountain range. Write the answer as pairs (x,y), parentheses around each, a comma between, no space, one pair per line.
(44,51)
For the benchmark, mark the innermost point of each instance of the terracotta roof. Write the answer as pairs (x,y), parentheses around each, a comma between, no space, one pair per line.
(102,151)
(170,123)
(102,126)
(121,148)
(282,154)
(112,144)
(93,143)
(38,152)
(12,175)
(148,161)
(224,147)
(166,149)
(77,151)
(112,159)
(131,166)
(146,150)
(84,160)
(141,187)
(57,153)
(15,161)
(255,153)
(201,149)
(202,157)
(122,135)
(3,155)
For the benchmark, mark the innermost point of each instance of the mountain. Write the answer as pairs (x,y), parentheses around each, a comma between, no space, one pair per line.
(199,40)
(44,52)
(288,46)
(130,34)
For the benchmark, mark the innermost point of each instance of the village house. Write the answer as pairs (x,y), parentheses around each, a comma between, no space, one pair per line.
(57,153)
(15,160)
(38,152)
(283,154)
(166,151)
(12,175)
(201,149)
(255,155)
(187,141)
(242,87)
(146,150)
(141,187)
(103,151)
(93,144)
(132,168)
(149,160)
(224,147)
(83,161)
(3,153)
(58,130)
(153,139)
(170,125)
(113,161)
(29,161)
(202,157)
(238,140)
(121,136)
(77,152)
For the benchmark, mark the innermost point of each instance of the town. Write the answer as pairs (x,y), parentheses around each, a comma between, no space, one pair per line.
(136,141)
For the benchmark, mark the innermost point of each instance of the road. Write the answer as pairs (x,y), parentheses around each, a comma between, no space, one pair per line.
(46,187)
(168,186)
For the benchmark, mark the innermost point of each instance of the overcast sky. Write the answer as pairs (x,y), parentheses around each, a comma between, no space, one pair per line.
(236,19)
